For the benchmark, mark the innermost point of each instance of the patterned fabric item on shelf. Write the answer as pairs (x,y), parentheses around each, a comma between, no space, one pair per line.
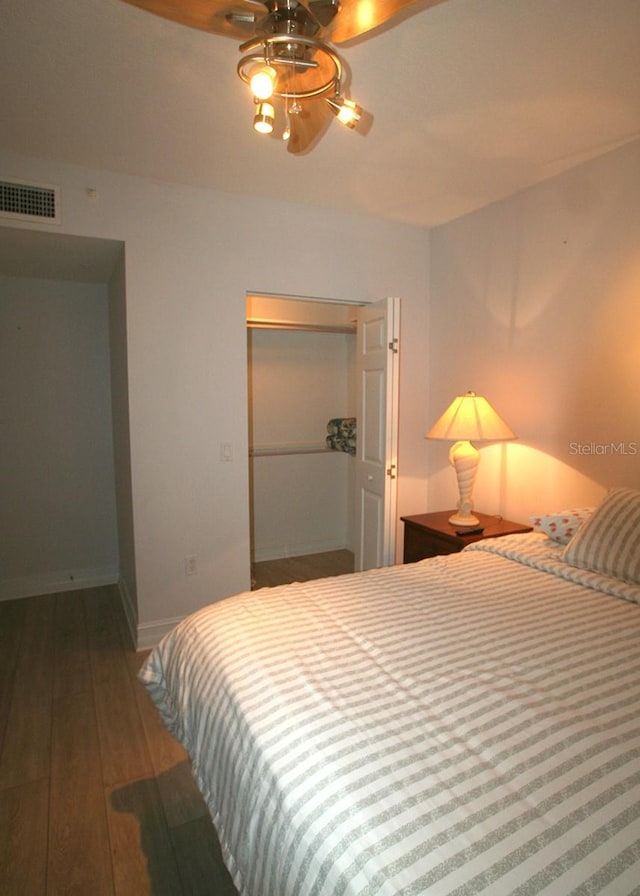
(342,434)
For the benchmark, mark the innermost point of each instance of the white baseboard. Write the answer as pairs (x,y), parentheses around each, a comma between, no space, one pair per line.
(59,580)
(278,551)
(151,633)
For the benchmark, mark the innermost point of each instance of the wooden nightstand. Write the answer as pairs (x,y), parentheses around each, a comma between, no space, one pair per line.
(430,534)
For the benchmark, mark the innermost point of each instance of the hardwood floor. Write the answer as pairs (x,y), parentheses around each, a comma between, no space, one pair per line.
(268,573)
(96,798)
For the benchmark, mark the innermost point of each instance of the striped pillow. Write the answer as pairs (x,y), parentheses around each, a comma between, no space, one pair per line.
(609,541)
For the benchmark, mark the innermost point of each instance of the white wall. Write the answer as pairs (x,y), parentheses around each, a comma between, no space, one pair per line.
(122,441)
(191,257)
(301,504)
(535,304)
(57,514)
(298,381)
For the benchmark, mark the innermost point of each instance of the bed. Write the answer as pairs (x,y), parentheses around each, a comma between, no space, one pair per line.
(466,724)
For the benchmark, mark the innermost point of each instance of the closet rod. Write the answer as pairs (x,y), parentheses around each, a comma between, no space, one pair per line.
(266,324)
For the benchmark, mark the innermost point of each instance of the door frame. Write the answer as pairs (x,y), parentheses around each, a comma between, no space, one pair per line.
(392,421)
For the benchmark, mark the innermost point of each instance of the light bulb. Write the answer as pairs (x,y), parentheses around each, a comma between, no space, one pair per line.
(262,82)
(263,119)
(349,113)
(346,111)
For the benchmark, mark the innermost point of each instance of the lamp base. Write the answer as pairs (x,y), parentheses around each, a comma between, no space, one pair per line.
(464,459)
(464,521)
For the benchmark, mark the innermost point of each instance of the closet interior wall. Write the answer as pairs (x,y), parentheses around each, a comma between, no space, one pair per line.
(300,375)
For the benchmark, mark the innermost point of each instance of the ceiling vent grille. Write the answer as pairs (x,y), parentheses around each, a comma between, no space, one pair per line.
(29,202)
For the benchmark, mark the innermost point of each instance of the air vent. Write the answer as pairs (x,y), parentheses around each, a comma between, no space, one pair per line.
(29,202)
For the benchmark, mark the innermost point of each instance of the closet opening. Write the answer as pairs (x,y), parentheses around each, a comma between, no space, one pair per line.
(302,432)
(67,506)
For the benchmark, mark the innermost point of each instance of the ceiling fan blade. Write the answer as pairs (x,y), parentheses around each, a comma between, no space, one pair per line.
(356,17)
(231,18)
(307,126)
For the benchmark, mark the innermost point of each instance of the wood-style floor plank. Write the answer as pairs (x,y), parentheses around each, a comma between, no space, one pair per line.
(79,849)
(23,838)
(96,797)
(71,667)
(123,747)
(27,738)
(182,803)
(143,859)
(12,616)
(75,747)
(104,637)
(284,570)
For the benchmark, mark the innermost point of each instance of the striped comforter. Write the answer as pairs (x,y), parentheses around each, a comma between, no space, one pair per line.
(467,724)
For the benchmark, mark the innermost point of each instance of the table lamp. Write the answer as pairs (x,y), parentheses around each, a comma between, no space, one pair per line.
(468,417)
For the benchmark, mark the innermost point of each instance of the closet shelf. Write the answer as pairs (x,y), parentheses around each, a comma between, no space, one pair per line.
(267,324)
(290,448)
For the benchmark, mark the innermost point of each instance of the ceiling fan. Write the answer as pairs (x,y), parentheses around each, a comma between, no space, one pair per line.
(287,59)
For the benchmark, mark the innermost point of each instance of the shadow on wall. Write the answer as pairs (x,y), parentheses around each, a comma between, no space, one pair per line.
(164,839)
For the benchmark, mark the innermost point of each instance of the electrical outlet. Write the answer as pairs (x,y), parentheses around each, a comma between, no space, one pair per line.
(190,565)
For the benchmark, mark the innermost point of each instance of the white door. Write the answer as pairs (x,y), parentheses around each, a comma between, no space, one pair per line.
(377,435)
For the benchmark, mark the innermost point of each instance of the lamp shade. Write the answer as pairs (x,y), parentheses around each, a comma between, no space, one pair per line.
(470,417)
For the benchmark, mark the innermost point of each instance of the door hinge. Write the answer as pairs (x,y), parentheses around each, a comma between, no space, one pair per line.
(393,345)
(391,471)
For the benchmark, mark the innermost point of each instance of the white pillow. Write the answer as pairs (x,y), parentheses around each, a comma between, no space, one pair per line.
(562,526)
(609,541)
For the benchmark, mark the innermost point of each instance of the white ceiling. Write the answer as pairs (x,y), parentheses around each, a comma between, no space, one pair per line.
(472,100)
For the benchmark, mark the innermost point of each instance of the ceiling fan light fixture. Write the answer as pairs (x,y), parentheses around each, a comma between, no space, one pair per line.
(263,120)
(346,111)
(262,82)
(288,53)
(290,64)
